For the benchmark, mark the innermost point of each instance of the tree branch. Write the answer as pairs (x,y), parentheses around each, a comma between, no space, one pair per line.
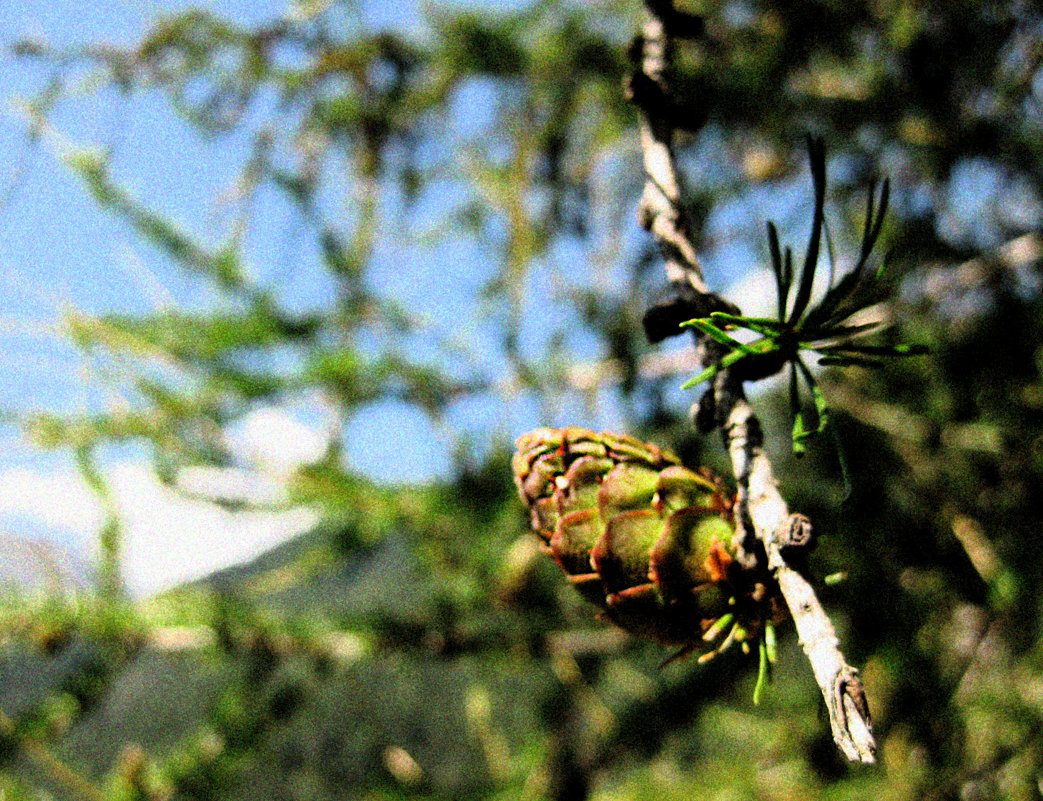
(762,515)
(662,211)
(43,759)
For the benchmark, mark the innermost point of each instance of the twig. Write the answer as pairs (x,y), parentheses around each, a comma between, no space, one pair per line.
(662,211)
(761,513)
(42,758)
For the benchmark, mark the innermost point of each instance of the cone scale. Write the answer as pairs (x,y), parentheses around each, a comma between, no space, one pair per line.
(644,538)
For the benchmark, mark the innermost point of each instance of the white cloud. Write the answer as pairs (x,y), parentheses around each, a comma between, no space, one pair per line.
(58,500)
(168,538)
(232,484)
(273,440)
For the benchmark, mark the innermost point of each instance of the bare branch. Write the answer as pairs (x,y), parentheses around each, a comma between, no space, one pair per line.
(761,513)
(44,760)
(662,211)
(765,508)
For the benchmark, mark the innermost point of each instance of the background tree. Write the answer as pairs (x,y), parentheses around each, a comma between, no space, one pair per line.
(414,644)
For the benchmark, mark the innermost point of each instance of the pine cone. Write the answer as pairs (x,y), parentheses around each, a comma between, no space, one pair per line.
(641,536)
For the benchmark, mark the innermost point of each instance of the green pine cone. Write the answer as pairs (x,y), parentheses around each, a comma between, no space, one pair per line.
(643,537)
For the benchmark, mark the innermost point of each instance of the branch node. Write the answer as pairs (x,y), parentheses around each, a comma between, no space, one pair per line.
(794,533)
(852,727)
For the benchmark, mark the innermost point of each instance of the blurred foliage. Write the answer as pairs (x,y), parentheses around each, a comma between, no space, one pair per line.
(416,644)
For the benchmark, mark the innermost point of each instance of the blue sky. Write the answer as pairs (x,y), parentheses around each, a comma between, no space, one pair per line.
(60,252)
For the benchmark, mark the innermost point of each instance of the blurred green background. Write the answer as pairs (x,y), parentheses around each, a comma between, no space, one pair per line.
(303,274)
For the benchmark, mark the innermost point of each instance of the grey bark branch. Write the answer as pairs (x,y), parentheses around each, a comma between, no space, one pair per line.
(761,512)
(662,211)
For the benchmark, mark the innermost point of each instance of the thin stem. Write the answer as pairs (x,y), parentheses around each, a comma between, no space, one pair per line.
(41,757)
(110,537)
(662,209)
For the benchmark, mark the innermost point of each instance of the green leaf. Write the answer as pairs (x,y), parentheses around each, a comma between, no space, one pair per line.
(723,622)
(798,431)
(873,227)
(162,233)
(817,157)
(226,266)
(344,262)
(801,431)
(190,336)
(343,372)
(762,672)
(881,269)
(901,350)
(799,435)
(476,45)
(783,277)
(850,361)
(707,374)
(830,253)
(761,325)
(843,295)
(817,396)
(850,295)
(770,643)
(712,371)
(732,358)
(827,336)
(712,331)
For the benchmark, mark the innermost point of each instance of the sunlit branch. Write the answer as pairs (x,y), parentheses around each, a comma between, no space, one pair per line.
(762,514)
